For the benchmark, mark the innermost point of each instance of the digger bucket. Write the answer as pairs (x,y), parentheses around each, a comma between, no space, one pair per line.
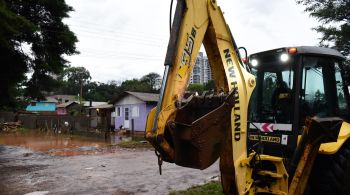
(199,130)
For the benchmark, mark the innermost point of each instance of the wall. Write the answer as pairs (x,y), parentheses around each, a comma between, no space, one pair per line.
(139,121)
(33,121)
(130,102)
(119,120)
(129,99)
(61,111)
(7,117)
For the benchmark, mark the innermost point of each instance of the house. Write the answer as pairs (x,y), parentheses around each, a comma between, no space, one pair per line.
(68,108)
(100,117)
(42,106)
(131,109)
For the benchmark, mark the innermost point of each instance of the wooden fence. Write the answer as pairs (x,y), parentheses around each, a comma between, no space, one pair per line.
(52,122)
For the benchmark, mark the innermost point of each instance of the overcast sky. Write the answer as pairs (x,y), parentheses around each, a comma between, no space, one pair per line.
(124,39)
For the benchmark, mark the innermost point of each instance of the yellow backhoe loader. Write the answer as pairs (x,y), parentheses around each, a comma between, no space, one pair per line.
(277,123)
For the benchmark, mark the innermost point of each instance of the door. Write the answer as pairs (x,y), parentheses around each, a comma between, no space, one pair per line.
(126,118)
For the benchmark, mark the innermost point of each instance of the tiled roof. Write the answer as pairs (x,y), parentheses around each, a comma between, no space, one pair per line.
(146,97)
(63,105)
(87,103)
(55,98)
(103,106)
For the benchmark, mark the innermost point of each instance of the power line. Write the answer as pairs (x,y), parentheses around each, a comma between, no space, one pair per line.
(131,31)
(116,34)
(118,54)
(109,38)
(126,32)
(123,40)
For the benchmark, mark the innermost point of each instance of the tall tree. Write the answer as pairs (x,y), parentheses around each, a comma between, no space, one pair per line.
(153,79)
(102,91)
(14,29)
(210,85)
(196,87)
(76,78)
(32,38)
(335,22)
(136,85)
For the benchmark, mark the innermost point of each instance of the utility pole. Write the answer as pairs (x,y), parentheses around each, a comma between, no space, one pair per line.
(81,97)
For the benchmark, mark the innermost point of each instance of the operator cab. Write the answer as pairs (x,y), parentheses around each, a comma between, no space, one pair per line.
(293,83)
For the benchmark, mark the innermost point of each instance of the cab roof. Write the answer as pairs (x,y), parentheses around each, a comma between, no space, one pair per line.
(305,50)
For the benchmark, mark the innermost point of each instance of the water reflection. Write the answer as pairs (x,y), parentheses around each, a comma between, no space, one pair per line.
(58,144)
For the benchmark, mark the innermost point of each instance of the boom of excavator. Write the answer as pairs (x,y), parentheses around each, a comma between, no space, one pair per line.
(195,131)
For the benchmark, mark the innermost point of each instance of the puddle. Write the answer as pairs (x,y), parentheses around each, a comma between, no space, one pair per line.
(58,144)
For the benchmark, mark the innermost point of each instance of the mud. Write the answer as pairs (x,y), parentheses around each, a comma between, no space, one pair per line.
(102,170)
(54,144)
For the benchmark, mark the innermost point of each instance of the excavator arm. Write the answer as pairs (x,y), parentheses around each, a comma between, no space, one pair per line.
(193,132)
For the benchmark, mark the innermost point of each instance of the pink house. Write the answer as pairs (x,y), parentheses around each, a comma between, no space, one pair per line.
(66,108)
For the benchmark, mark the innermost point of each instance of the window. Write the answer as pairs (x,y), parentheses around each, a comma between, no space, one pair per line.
(271,100)
(269,86)
(313,92)
(340,90)
(196,79)
(126,114)
(135,111)
(118,111)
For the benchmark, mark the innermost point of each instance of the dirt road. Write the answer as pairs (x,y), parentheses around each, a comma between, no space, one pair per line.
(123,171)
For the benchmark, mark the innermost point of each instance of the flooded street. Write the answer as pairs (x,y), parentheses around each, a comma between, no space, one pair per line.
(54,144)
(73,165)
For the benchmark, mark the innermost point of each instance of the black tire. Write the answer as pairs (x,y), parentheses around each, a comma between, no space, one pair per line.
(331,173)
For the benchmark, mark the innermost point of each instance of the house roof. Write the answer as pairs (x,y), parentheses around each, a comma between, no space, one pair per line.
(66,104)
(103,106)
(41,106)
(146,97)
(34,101)
(56,98)
(87,103)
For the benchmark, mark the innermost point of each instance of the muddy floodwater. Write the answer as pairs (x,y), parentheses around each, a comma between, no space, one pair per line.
(61,164)
(56,144)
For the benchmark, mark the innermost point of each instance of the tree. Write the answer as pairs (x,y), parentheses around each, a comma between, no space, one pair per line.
(32,38)
(98,91)
(136,85)
(210,85)
(102,91)
(13,29)
(76,78)
(153,79)
(335,22)
(196,87)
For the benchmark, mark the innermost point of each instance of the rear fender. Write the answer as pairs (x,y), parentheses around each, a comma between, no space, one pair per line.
(333,147)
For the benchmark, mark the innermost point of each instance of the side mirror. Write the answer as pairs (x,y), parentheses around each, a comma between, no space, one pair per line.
(244,57)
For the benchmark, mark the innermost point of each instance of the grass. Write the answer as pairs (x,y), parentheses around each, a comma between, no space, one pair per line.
(212,188)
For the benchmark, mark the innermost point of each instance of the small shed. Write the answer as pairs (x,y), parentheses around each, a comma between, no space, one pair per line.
(67,108)
(100,117)
(132,108)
